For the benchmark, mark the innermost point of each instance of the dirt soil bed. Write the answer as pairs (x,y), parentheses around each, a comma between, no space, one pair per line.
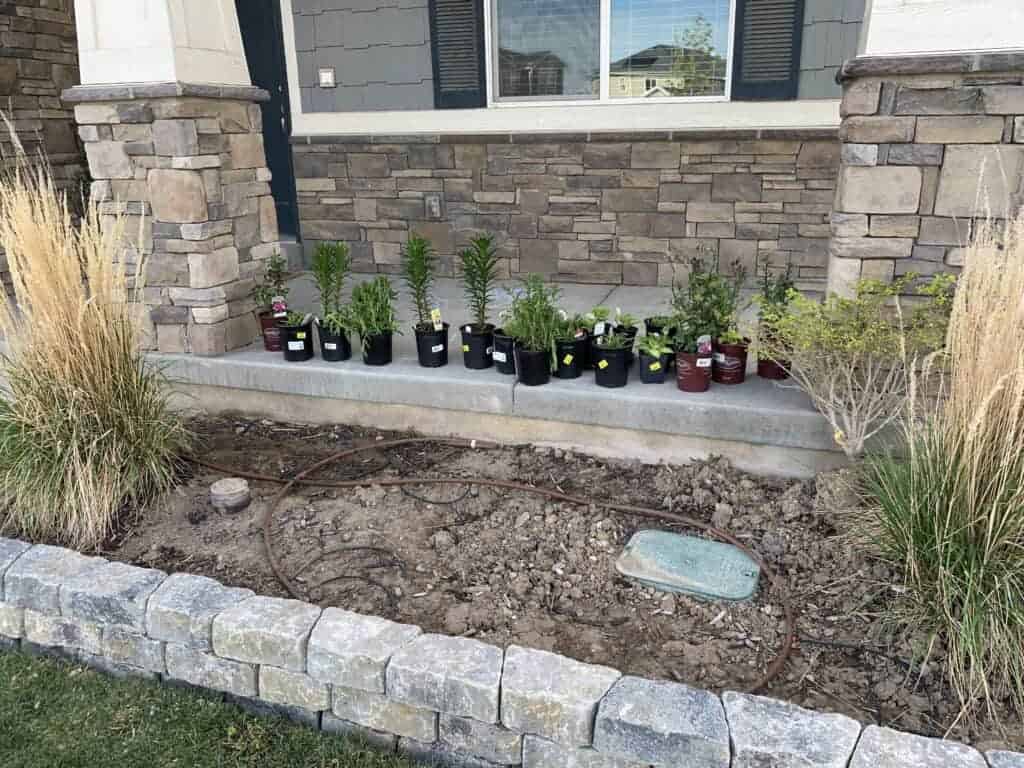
(514,568)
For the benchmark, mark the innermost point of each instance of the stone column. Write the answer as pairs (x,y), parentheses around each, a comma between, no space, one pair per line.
(930,144)
(185,165)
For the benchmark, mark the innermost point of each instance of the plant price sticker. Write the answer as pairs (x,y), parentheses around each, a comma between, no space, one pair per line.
(501,357)
(703,362)
(567,360)
(655,366)
(465,347)
(295,346)
(603,364)
(330,346)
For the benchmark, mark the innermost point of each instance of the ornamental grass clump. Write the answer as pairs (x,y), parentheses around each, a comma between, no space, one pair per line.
(950,511)
(85,427)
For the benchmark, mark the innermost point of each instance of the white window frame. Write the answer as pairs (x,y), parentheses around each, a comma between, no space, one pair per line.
(605,59)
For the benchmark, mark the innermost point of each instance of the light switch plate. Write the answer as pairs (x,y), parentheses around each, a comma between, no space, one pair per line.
(327,77)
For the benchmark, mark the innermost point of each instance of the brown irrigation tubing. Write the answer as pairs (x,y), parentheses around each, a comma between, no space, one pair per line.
(774,668)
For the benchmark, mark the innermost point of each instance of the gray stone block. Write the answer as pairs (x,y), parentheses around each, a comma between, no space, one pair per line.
(380,713)
(767,732)
(206,671)
(10,550)
(12,621)
(447,674)
(353,650)
(124,647)
(551,696)
(262,708)
(540,753)
(182,609)
(35,578)
(296,689)
(490,742)
(114,668)
(998,758)
(55,632)
(886,748)
(115,593)
(662,723)
(266,630)
(379,739)
(440,755)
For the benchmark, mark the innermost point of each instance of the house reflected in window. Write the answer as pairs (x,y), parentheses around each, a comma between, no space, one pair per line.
(668,70)
(531,74)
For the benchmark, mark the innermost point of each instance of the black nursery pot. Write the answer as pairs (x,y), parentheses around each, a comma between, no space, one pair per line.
(652,369)
(477,346)
(534,368)
(377,349)
(611,367)
(334,347)
(504,352)
(571,357)
(654,326)
(297,342)
(432,347)
(629,334)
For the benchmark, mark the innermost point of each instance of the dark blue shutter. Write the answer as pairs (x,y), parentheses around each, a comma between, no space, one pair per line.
(766,61)
(457,48)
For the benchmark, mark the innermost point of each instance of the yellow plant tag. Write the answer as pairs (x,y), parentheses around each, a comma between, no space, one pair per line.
(655,366)
(300,335)
(435,316)
(603,364)
(567,360)
(465,347)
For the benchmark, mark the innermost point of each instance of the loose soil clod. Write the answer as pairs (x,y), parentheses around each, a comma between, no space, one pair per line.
(508,568)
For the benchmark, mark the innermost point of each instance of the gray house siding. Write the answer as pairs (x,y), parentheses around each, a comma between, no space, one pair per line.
(379,49)
(830,34)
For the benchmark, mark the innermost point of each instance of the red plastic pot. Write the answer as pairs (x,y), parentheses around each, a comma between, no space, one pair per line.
(730,363)
(769,369)
(271,332)
(693,372)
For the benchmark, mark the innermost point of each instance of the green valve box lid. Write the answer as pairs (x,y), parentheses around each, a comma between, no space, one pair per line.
(675,563)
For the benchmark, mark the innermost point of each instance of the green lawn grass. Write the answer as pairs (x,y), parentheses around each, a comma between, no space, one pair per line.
(55,715)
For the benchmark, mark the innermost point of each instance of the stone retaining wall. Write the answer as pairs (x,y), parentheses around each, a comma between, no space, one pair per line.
(590,208)
(453,700)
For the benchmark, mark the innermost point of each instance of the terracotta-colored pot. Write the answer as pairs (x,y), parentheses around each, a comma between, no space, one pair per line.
(271,332)
(693,372)
(730,363)
(769,369)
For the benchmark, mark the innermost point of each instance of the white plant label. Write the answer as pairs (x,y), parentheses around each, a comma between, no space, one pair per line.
(437,348)
(295,346)
(599,329)
(719,358)
(490,351)
(703,362)
(501,357)
(330,346)
(435,317)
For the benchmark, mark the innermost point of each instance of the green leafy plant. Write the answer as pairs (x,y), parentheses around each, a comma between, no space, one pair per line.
(330,268)
(339,322)
(624,319)
(294,319)
(948,507)
(533,318)
(776,289)
(654,345)
(661,320)
(570,326)
(273,283)
(479,277)
(597,315)
(419,264)
(372,309)
(854,356)
(612,341)
(710,300)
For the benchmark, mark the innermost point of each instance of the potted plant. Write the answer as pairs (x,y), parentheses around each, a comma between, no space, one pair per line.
(713,302)
(330,268)
(297,333)
(693,356)
(658,324)
(534,322)
(599,322)
(419,265)
(479,275)
(655,352)
(776,293)
(571,344)
(625,325)
(373,317)
(611,359)
(271,295)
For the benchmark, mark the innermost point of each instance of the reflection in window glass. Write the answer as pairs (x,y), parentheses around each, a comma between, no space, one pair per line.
(668,48)
(548,48)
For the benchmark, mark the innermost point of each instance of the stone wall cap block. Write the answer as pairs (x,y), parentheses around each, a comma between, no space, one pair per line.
(10,550)
(182,609)
(552,696)
(455,675)
(886,748)
(771,732)
(115,593)
(932,64)
(998,758)
(81,94)
(35,578)
(266,630)
(663,723)
(353,650)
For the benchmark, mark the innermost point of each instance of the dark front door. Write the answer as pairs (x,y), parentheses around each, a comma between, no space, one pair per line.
(260,21)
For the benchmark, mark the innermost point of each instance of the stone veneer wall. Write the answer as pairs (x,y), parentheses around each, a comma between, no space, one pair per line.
(593,208)
(930,145)
(448,700)
(38,59)
(185,167)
